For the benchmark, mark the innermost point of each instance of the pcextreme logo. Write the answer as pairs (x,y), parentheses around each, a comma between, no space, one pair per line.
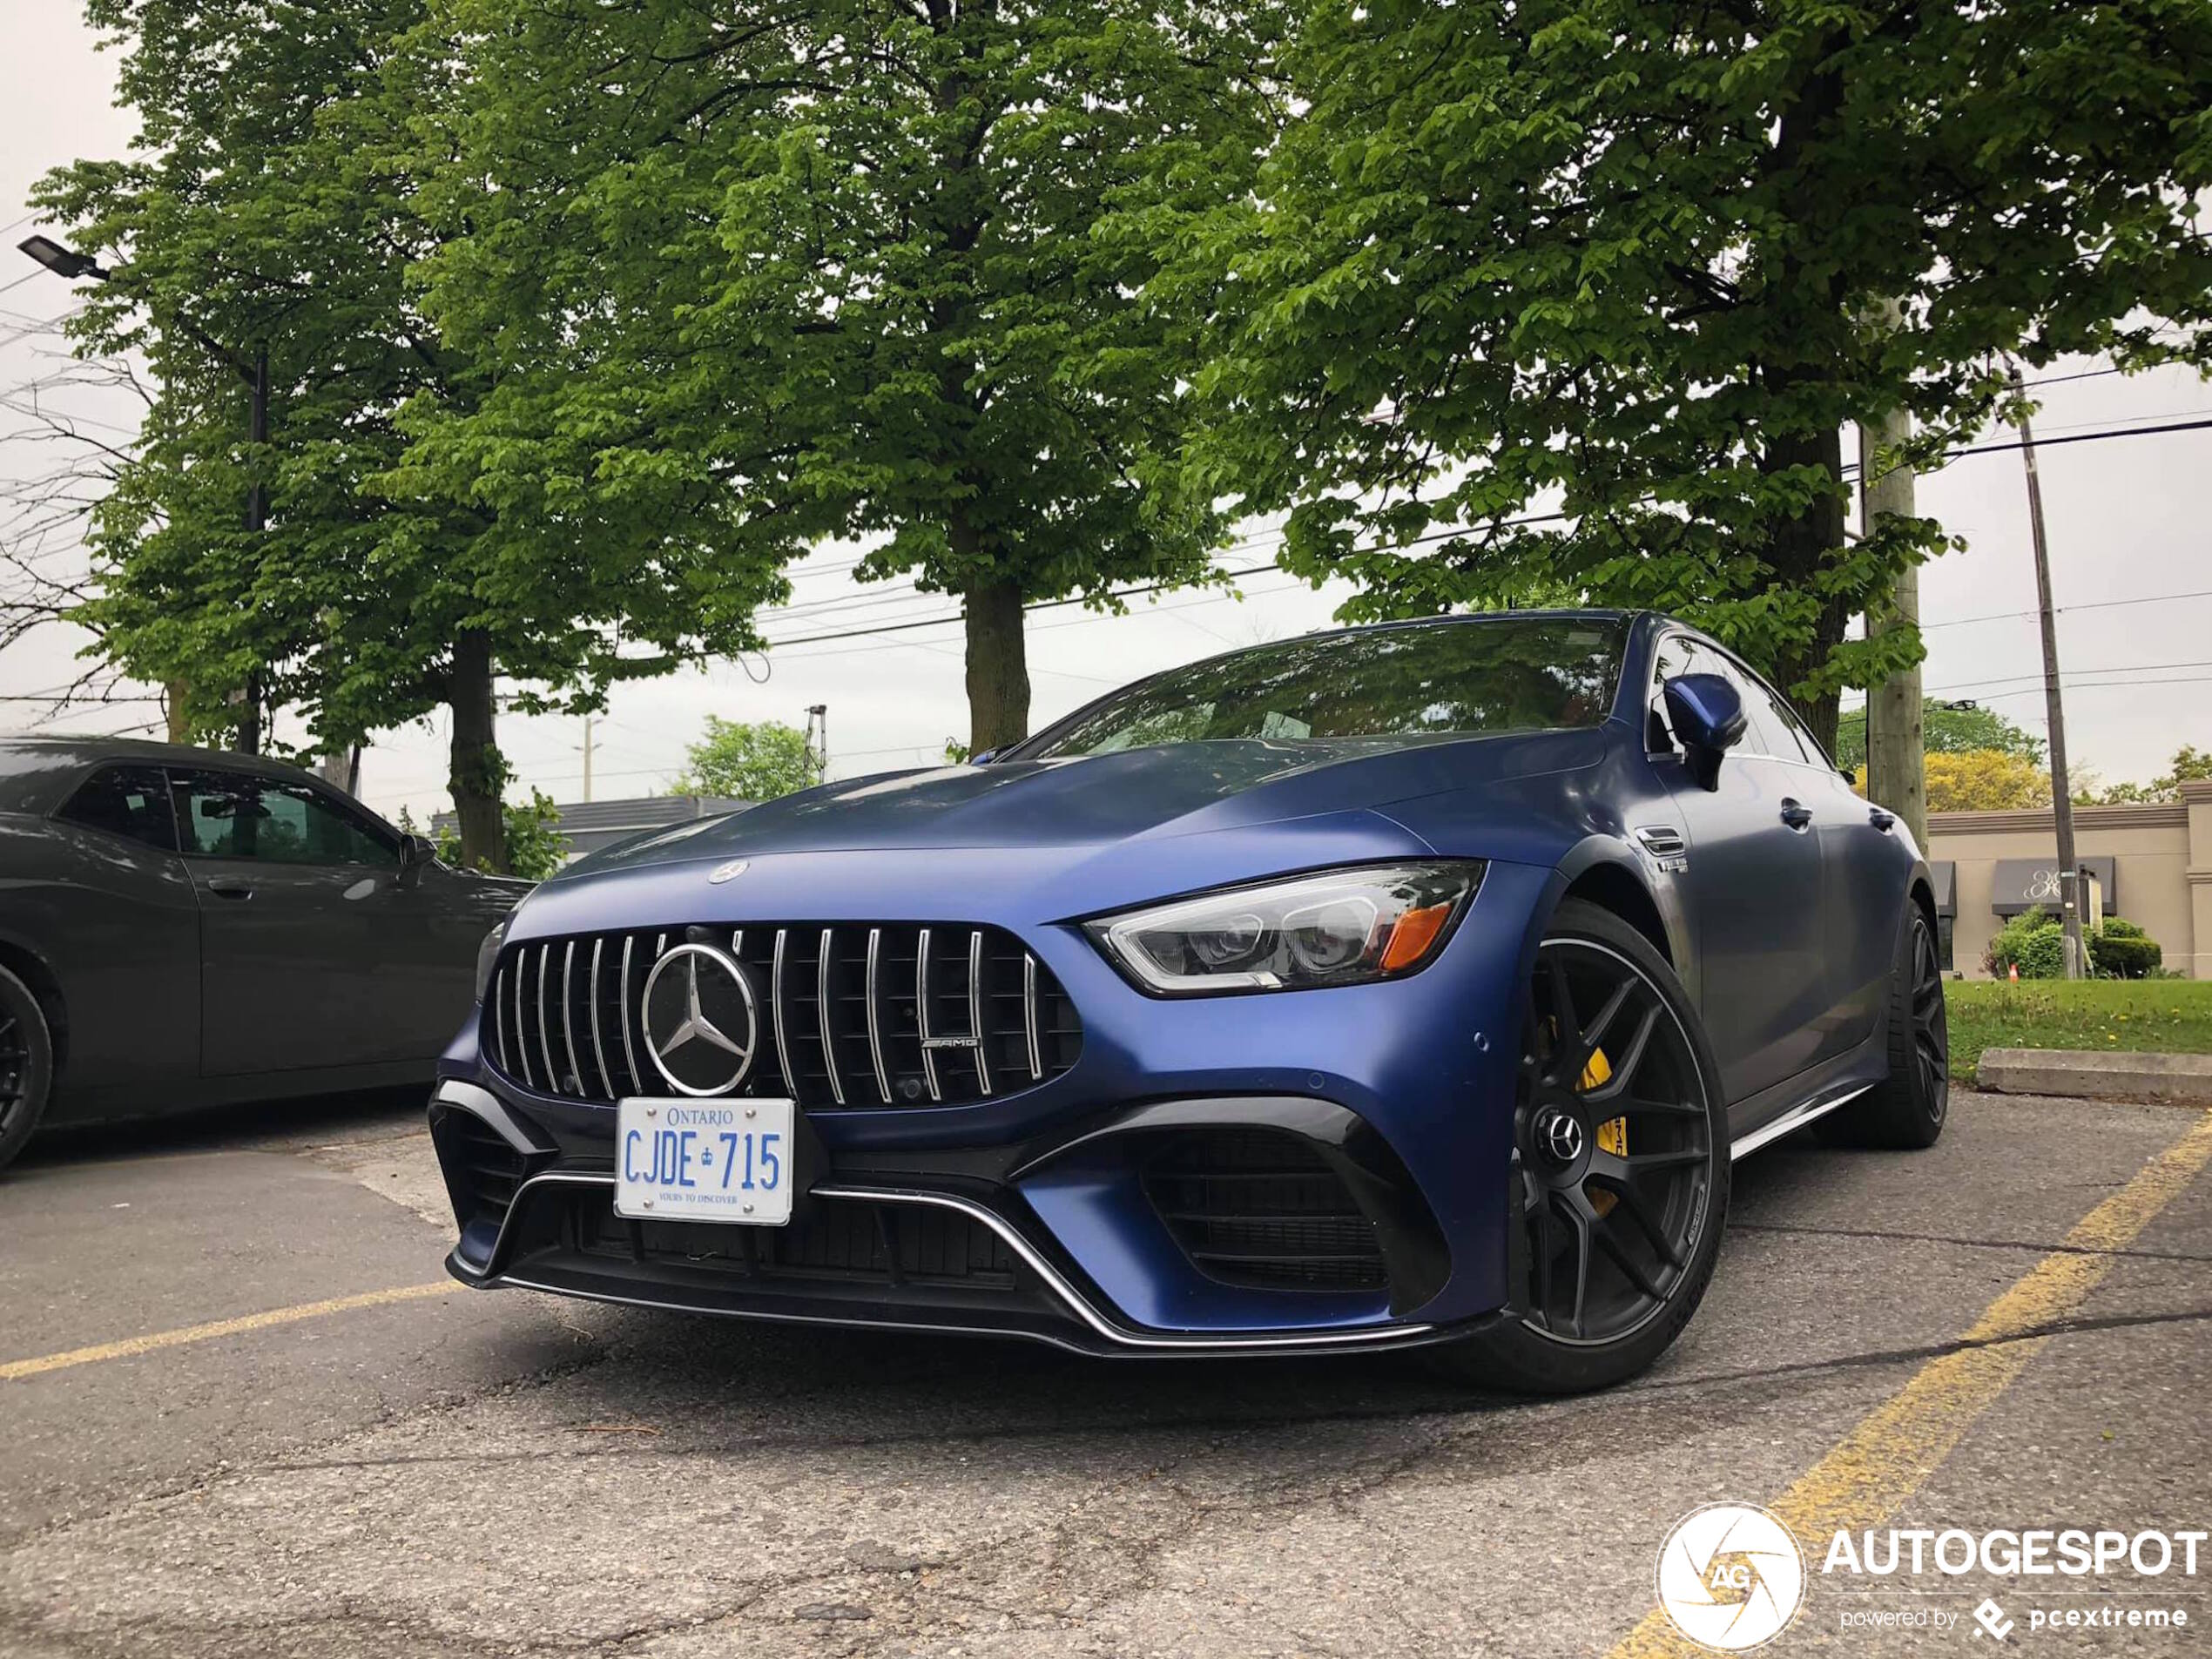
(1731,1576)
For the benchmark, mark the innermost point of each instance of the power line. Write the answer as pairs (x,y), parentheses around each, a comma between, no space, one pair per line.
(2095,604)
(2094,685)
(2072,676)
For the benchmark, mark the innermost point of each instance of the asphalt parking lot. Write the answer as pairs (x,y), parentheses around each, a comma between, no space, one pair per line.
(243,1414)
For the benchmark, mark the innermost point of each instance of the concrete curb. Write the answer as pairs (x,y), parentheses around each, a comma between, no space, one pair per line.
(2186,1077)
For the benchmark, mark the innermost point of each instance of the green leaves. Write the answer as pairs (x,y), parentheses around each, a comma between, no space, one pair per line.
(1616,267)
(752,763)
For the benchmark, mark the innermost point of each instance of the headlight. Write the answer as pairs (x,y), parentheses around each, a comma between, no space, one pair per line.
(488,956)
(1341,927)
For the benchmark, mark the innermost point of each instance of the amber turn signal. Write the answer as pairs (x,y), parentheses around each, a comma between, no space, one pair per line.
(1415,932)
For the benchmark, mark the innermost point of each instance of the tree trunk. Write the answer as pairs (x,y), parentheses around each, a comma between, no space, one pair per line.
(179,692)
(1797,550)
(998,667)
(478,771)
(247,740)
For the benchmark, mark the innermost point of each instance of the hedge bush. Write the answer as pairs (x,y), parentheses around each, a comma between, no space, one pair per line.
(2121,950)
(2034,942)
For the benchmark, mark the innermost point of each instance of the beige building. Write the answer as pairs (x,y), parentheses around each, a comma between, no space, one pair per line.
(2152,864)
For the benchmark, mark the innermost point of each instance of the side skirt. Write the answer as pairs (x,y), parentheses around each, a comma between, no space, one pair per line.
(1818,1106)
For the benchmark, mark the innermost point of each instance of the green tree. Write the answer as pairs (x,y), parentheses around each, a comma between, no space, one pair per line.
(1628,259)
(536,847)
(866,266)
(272,212)
(2191,764)
(1948,728)
(753,763)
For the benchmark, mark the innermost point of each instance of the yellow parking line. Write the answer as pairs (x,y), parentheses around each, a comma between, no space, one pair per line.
(1879,1465)
(12,1370)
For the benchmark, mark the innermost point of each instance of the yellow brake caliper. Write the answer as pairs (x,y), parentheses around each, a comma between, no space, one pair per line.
(1613,1134)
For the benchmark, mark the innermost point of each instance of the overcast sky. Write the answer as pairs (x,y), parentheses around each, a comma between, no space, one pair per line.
(2127,527)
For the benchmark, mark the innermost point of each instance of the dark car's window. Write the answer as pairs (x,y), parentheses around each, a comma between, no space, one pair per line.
(1433,678)
(129,801)
(229,815)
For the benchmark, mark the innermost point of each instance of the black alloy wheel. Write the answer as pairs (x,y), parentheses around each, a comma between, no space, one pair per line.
(1615,1146)
(1620,1181)
(1931,1026)
(26,1065)
(1906,1110)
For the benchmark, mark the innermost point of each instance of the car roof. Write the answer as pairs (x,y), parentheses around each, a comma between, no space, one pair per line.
(39,771)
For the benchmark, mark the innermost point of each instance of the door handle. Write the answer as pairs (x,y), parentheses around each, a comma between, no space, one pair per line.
(230,887)
(1796,814)
(1882,821)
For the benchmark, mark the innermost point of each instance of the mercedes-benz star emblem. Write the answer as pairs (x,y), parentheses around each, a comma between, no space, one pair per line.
(1560,1136)
(700,1021)
(729,871)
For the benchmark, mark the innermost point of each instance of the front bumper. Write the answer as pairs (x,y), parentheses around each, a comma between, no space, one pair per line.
(1082,1211)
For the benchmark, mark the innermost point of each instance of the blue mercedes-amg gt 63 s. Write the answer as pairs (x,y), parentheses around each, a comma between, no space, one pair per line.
(1406,985)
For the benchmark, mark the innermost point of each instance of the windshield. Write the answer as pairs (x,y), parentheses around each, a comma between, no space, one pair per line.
(1447,677)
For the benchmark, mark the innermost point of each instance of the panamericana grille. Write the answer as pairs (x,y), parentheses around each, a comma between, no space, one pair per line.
(1259,1208)
(857,1015)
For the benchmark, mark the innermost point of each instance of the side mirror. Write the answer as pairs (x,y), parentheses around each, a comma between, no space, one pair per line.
(1707,713)
(983,760)
(414,853)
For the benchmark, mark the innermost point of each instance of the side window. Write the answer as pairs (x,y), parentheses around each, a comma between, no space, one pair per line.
(1769,732)
(229,815)
(130,801)
(1814,754)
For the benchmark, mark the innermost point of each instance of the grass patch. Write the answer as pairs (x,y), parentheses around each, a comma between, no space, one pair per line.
(2164,1016)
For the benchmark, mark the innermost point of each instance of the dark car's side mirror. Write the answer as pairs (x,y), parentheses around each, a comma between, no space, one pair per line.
(983,760)
(414,853)
(1707,714)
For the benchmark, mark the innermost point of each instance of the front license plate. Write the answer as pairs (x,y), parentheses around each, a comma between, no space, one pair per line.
(704,1160)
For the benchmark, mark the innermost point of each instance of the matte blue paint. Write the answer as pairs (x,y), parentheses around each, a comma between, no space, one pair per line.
(1782,937)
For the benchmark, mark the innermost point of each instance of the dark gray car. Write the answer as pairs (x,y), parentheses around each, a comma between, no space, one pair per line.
(183,927)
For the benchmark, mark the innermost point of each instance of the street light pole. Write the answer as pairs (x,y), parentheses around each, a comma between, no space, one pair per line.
(70,264)
(2061,798)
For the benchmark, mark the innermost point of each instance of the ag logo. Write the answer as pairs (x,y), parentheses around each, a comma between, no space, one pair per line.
(1731,1576)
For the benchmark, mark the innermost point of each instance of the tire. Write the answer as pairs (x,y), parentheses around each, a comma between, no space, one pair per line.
(1906,1110)
(1610,1251)
(26,1065)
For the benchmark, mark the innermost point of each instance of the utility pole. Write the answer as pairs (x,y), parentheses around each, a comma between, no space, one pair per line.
(2061,798)
(588,746)
(1897,773)
(818,738)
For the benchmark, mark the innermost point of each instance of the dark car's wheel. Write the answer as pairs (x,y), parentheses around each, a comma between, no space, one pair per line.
(1906,1109)
(1620,1167)
(26,1065)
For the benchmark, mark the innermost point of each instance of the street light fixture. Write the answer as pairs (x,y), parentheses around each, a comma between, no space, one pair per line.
(62,261)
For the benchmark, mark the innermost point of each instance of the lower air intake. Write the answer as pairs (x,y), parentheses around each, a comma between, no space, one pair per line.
(1261,1209)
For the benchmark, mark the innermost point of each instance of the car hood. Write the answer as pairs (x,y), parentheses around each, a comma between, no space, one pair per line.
(1177,789)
